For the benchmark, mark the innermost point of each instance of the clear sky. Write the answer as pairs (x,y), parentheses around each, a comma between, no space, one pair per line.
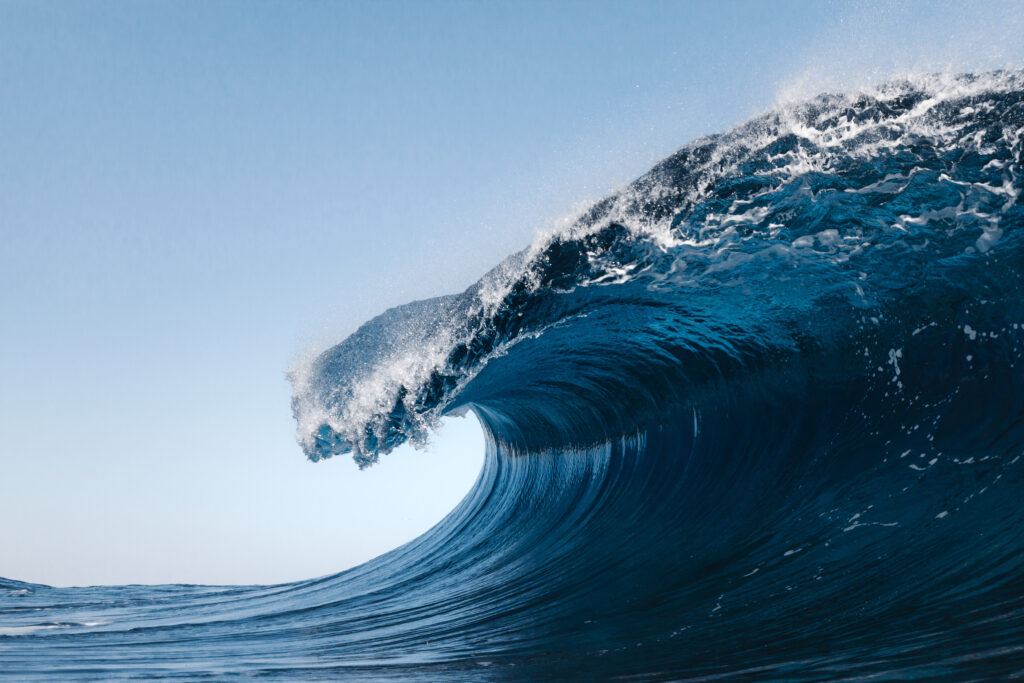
(194,194)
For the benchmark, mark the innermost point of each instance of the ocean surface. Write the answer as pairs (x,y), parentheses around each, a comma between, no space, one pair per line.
(757,416)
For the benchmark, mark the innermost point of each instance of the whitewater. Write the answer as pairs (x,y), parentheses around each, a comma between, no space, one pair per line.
(756,415)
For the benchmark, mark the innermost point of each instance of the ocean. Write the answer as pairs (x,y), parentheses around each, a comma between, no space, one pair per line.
(756,416)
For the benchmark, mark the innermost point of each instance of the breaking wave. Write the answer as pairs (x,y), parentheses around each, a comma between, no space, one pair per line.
(758,414)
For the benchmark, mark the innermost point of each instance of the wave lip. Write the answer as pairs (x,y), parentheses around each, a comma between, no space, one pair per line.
(854,196)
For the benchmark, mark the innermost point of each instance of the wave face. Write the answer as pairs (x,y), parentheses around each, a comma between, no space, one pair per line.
(757,415)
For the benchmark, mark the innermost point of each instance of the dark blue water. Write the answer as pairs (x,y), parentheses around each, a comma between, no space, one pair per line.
(759,415)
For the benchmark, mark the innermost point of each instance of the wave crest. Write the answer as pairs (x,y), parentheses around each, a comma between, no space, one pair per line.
(719,261)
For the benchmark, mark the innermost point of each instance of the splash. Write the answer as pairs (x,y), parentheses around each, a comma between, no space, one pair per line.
(822,181)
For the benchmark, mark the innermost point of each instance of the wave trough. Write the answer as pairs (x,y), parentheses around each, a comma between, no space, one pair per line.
(756,415)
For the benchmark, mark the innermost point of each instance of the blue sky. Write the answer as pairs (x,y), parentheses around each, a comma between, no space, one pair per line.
(193,195)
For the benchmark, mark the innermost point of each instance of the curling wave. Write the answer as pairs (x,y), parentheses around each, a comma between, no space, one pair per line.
(759,414)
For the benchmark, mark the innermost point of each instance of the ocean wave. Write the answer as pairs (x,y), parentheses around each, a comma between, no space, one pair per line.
(757,415)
